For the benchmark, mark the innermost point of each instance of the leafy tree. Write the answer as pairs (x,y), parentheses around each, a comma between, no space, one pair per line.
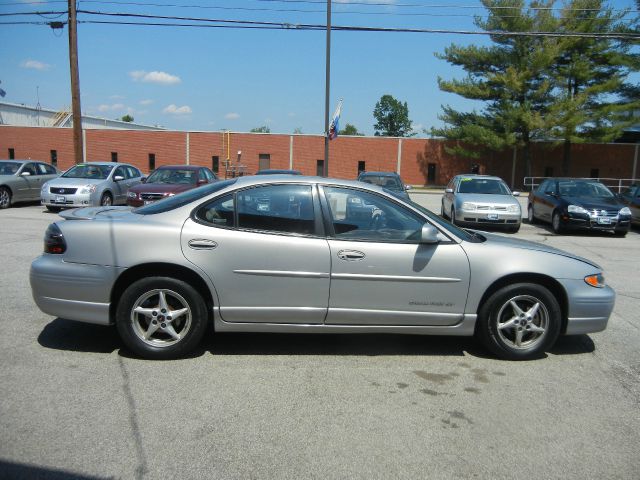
(594,101)
(350,130)
(262,129)
(509,77)
(392,118)
(127,118)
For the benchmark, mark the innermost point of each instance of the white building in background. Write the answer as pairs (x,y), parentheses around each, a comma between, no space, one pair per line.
(26,116)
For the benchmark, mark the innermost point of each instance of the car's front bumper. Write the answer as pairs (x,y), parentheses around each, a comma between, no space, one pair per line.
(75,291)
(478,218)
(589,308)
(577,221)
(69,200)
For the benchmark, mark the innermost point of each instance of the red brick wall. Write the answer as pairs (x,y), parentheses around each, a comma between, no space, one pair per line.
(378,153)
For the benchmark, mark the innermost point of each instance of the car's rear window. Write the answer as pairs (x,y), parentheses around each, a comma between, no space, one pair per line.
(182,199)
(390,183)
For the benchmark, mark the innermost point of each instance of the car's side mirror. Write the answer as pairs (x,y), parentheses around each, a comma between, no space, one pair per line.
(118,178)
(516,194)
(407,187)
(202,182)
(429,234)
(25,174)
(550,192)
(143,180)
(448,190)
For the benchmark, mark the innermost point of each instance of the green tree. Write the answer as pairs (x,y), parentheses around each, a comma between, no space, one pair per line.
(127,118)
(392,118)
(350,130)
(262,129)
(594,99)
(510,77)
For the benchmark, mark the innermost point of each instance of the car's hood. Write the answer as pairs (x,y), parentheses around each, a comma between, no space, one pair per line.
(594,203)
(161,188)
(91,213)
(487,198)
(528,245)
(75,182)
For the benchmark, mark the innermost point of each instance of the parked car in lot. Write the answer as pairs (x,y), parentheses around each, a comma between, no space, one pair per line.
(389,180)
(282,254)
(478,201)
(167,181)
(576,203)
(21,180)
(274,171)
(630,196)
(92,183)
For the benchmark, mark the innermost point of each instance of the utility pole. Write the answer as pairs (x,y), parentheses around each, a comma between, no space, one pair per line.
(326,94)
(75,83)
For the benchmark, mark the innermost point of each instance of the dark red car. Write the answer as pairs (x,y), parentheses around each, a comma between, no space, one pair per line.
(167,181)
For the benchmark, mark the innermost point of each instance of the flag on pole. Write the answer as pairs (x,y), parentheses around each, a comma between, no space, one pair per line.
(2,92)
(335,122)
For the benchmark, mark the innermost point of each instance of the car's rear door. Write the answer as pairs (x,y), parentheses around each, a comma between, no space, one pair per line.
(380,274)
(262,249)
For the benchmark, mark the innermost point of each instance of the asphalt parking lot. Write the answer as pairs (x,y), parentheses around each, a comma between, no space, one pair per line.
(75,404)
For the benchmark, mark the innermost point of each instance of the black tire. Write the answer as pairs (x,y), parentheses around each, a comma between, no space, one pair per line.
(453,216)
(53,209)
(621,232)
(536,330)
(531,218)
(5,197)
(556,223)
(106,200)
(168,337)
(442,214)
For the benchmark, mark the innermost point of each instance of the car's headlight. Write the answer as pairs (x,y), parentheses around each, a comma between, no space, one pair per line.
(88,188)
(513,208)
(132,195)
(469,206)
(577,209)
(595,280)
(171,194)
(45,187)
(624,211)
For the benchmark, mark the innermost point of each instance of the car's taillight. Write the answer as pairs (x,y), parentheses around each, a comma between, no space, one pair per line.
(54,240)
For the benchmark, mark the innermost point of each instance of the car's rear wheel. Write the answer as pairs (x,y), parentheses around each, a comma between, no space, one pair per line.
(556,223)
(106,200)
(519,322)
(531,218)
(161,317)
(5,197)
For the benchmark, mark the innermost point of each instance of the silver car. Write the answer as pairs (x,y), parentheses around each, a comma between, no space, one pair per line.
(308,254)
(92,183)
(21,180)
(479,201)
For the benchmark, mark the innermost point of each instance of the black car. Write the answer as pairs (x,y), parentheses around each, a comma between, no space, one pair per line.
(388,180)
(630,196)
(576,203)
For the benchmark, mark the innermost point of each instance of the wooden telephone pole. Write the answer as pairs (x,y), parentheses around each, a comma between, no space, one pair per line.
(75,83)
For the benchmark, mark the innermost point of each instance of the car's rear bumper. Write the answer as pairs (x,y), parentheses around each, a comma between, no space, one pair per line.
(74,291)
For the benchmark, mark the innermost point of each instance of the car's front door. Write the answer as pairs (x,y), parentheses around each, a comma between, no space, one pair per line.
(261,250)
(381,274)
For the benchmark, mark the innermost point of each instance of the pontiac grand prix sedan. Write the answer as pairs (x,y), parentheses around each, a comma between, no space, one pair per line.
(308,254)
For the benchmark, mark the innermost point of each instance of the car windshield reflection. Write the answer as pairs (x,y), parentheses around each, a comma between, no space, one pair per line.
(97,172)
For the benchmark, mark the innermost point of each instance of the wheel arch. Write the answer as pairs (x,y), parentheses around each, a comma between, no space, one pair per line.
(159,269)
(550,283)
(8,188)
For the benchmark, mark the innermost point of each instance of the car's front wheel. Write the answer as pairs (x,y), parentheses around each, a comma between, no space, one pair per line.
(556,223)
(5,197)
(161,317)
(531,218)
(519,322)
(106,200)
(453,216)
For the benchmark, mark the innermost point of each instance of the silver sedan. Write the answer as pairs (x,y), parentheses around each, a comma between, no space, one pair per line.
(480,201)
(308,254)
(21,180)
(92,183)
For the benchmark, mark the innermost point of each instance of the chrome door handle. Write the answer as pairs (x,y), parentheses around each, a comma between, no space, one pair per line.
(350,255)
(202,244)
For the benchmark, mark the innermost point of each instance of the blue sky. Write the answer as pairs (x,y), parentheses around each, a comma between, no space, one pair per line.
(217,78)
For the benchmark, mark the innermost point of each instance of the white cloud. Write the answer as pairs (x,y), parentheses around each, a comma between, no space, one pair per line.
(232,116)
(162,78)
(35,65)
(145,102)
(111,108)
(117,97)
(291,114)
(175,110)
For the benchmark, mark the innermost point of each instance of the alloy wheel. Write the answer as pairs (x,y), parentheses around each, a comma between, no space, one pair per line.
(522,322)
(161,317)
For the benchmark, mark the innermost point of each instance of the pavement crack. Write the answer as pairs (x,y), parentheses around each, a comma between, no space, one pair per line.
(141,469)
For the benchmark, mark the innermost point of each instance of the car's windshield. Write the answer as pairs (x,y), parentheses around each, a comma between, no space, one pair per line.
(83,170)
(390,183)
(174,176)
(9,168)
(583,189)
(487,186)
(458,232)
(184,198)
